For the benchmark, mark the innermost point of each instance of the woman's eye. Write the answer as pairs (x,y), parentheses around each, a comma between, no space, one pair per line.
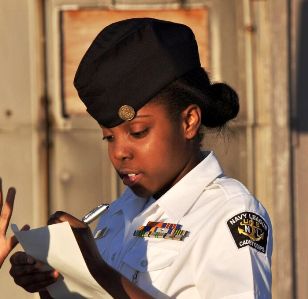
(108,138)
(139,134)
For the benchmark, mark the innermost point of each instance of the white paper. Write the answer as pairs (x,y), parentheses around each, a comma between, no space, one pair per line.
(56,246)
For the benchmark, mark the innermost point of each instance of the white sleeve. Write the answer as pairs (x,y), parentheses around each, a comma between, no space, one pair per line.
(227,270)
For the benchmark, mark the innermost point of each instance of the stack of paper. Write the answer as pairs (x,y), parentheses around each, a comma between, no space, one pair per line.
(56,246)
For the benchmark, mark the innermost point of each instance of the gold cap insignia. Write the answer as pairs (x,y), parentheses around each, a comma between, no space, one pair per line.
(126,112)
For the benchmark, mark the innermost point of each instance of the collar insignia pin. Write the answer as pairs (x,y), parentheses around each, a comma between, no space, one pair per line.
(101,233)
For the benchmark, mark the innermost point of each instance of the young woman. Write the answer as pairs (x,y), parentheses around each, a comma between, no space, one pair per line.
(181,229)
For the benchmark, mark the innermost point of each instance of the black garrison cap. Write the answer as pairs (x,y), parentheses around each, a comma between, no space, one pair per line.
(129,62)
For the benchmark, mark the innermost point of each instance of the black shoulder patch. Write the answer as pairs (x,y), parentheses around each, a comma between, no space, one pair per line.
(249,229)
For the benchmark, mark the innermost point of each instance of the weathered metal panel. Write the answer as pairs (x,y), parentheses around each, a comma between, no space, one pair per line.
(22,159)
(299,75)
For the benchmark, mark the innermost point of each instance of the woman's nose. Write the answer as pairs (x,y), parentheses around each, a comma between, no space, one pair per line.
(121,150)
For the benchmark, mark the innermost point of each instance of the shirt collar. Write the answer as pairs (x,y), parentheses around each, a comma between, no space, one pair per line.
(128,203)
(178,199)
(181,197)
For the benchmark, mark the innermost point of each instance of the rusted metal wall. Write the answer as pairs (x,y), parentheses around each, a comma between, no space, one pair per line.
(299,122)
(22,133)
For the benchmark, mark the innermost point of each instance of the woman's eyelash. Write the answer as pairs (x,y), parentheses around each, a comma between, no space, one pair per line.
(135,134)
(108,138)
(139,134)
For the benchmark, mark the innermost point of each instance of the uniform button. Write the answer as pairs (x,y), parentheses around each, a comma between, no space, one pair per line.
(144,263)
(113,256)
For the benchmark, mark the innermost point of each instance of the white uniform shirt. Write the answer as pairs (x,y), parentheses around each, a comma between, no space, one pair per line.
(226,255)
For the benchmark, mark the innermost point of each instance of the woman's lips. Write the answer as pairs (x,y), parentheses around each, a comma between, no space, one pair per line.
(130,179)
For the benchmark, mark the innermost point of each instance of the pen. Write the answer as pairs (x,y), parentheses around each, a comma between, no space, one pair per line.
(96,212)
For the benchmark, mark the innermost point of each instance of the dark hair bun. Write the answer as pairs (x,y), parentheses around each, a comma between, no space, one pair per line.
(222,105)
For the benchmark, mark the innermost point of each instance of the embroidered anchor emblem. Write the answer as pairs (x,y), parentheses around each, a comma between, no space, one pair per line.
(251,229)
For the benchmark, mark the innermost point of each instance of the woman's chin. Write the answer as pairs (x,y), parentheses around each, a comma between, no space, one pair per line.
(140,191)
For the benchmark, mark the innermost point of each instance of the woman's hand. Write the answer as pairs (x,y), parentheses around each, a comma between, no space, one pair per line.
(112,281)
(31,274)
(6,210)
(83,237)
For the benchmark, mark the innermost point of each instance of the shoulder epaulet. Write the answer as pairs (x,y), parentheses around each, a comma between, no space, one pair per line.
(231,187)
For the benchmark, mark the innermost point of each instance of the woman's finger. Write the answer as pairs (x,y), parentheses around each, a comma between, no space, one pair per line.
(12,241)
(7,210)
(40,286)
(61,216)
(56,217)
(25,227)
(21,258)
(1,195)
(23,270)
(35,281)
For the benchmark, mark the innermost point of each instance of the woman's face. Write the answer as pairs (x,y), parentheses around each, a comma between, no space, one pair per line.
(151,152)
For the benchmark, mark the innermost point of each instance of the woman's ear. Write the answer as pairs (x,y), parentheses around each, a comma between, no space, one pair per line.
(191,117)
